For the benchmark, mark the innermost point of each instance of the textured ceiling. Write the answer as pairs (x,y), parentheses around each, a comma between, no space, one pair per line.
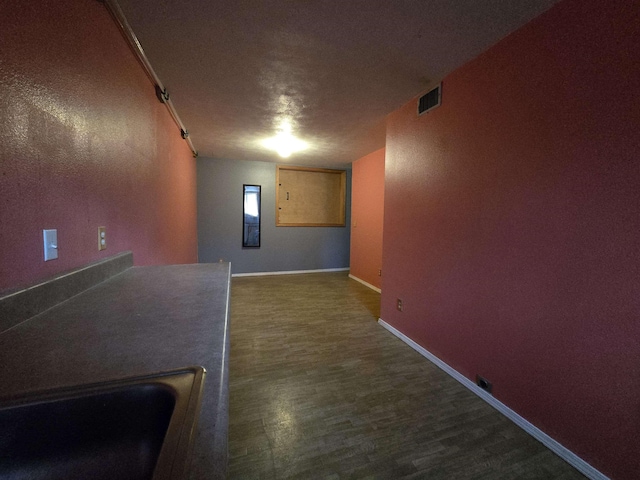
(335,68)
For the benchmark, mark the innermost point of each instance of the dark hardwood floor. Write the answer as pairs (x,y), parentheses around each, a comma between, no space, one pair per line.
(319,390)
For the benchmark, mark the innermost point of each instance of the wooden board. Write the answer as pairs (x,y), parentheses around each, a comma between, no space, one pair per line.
(310,197)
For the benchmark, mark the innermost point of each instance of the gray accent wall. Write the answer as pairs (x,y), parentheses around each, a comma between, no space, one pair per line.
(281,248)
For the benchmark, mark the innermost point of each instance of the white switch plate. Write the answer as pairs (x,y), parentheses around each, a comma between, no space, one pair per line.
(50,239)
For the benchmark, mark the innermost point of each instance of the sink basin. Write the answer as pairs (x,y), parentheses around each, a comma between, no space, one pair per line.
(133,428)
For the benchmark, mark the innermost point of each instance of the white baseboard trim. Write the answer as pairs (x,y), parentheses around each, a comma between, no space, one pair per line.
(289,272)
(366,284)
(563,452)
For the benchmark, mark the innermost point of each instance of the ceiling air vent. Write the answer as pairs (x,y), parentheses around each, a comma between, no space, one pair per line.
(430,100)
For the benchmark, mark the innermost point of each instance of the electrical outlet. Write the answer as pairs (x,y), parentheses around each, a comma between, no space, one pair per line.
(380,272)
(399,304)
(483,383)
(102,238)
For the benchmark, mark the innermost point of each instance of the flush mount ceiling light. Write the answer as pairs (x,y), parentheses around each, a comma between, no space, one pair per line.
(284,142)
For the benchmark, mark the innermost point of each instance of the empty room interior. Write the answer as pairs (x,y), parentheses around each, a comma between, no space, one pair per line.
(320,239)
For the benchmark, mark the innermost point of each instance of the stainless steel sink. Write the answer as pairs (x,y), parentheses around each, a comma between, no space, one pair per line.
(133,428)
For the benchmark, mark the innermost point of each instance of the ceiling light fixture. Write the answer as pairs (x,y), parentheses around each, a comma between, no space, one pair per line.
(284,142)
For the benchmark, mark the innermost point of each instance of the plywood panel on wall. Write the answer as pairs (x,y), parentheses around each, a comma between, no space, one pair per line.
(310,197)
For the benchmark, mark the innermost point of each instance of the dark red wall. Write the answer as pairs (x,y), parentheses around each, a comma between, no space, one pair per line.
(367,212)
(84,143)
(512,226)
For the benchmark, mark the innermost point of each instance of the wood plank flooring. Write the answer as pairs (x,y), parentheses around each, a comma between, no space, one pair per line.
(319,390)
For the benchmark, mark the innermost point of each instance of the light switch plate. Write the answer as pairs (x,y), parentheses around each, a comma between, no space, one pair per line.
(50,241)
(102,238)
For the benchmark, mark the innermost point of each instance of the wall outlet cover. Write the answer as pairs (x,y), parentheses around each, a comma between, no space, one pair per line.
(102,238)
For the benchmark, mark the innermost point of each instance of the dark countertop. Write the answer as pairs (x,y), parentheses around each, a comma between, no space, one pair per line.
(144,320)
